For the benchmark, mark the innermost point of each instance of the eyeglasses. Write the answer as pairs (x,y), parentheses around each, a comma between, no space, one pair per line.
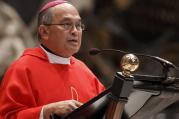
(69,26)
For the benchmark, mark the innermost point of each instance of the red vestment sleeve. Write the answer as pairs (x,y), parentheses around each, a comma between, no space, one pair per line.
(99,86)
(17,99)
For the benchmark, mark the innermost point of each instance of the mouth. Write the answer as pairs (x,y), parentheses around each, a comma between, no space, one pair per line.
(73,41)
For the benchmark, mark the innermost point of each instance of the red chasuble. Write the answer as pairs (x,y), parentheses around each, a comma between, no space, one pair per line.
(32,82)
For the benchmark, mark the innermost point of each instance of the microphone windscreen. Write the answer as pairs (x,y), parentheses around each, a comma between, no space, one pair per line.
(94,51)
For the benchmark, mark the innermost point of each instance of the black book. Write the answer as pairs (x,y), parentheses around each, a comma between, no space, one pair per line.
(93,109)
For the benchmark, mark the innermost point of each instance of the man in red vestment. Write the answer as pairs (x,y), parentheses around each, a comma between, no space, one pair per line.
(48,79)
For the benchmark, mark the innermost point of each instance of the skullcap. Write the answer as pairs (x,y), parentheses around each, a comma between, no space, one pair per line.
(51,4)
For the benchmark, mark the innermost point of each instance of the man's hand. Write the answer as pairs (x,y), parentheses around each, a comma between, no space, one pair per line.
(61,108)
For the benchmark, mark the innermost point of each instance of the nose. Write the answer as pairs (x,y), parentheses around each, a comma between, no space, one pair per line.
(74,30)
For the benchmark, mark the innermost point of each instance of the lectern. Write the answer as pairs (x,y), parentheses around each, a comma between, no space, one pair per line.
(110,103)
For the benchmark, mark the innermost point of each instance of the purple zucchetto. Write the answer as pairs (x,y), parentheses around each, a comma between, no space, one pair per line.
(51,4)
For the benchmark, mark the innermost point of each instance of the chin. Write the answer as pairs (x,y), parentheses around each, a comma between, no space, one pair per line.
(74,51)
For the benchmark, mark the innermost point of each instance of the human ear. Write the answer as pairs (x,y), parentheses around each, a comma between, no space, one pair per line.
(43,32)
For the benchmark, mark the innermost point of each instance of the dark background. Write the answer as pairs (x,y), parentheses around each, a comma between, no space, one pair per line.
(141,26)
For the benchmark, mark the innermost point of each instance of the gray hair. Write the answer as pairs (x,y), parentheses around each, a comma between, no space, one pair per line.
(44,17)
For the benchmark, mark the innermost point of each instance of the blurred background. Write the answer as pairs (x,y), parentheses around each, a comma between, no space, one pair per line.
(140,26)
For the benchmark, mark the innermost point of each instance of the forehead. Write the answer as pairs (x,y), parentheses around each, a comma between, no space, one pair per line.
(65,11)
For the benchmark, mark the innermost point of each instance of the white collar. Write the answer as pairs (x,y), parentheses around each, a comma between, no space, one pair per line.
(54,59)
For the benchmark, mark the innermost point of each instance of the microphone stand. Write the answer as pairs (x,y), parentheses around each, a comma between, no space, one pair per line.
(168,68)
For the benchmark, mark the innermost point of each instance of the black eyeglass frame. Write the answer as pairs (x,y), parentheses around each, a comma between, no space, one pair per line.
(69,26)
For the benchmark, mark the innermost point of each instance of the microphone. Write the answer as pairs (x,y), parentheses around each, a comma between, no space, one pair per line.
(163,62)
(95,51)
(168,72)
